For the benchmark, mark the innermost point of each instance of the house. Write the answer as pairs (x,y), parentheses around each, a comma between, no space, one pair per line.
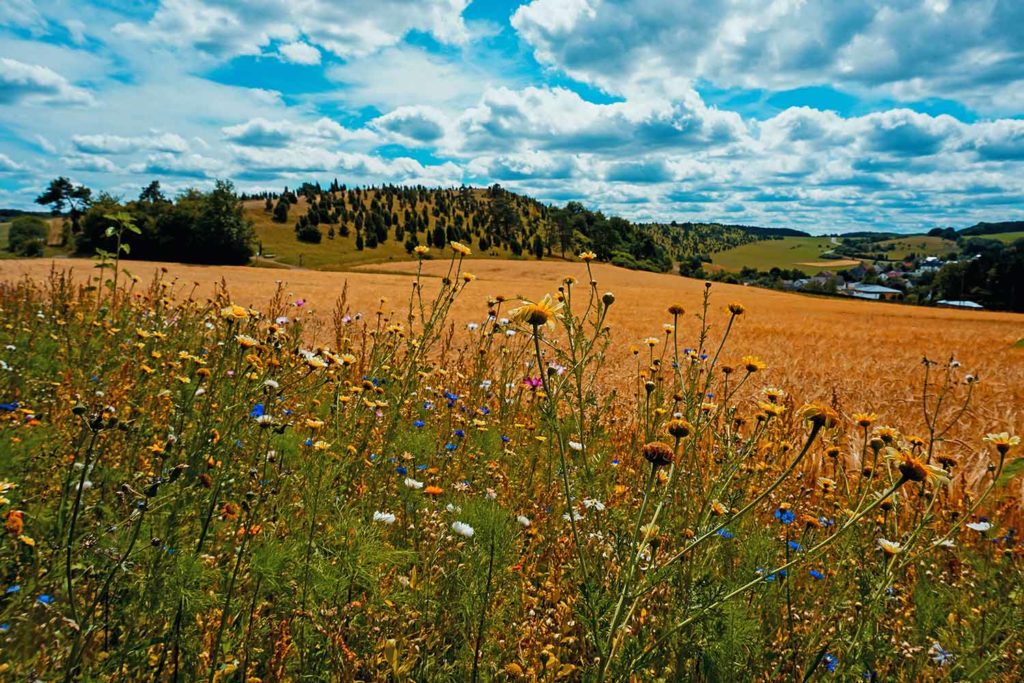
(945,303)
(875,292)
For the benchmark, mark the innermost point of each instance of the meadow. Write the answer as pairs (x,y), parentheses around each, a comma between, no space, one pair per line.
(453,469)
(803,253)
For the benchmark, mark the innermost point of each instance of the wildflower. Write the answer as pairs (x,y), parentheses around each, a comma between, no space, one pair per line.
(246,341)
(433,490)
(523,520)
(679,428)
(981,527)
(314,423)
(913,468)
(385,517)
(607,298)
(461,528)
(420,250)
(830,661)
(45,599)
(753,364)
(462,249)
(890,548)
(940,655)
(576,445)
(718,509)
(468,277)
(1003,442)
(412,483)
(234,312)
(819,415)
(587,256)
(736,309)
(418,423)
(725,533)
(816,575)
(785,515)
(658,453)
(651,341)
(542,312)
(864,420)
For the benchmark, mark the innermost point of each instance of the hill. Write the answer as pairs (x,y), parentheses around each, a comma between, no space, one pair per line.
(993,228)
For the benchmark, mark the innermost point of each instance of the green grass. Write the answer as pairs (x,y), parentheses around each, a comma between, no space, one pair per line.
(1005,237)
(789,252)
(921,245)
(48,252)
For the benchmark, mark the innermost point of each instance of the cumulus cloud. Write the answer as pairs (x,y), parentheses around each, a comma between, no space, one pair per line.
(8,165)
(417,125)
(27,83)
(910,48)
(227,28)
(261,132)
(299,53)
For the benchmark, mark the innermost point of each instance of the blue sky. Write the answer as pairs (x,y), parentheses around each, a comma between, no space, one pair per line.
(817,115)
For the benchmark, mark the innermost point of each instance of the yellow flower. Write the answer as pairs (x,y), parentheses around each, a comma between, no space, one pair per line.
(651,341)
(915,469)
(27,540)
(1003,442)
(753,364)
(468,277)
(538,313)
(819,414)
(461,248)
(314,423)
(420,250)
(864,420)
(736,309)
(587,256)
(246,341)
(234,312)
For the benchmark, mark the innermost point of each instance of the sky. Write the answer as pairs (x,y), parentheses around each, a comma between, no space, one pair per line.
(822,115)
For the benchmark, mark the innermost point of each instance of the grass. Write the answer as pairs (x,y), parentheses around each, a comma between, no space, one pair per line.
(1006,237)
(351,485)
(921,245)
(48,251)
(788,253)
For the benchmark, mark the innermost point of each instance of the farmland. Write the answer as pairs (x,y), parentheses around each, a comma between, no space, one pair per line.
(802,253)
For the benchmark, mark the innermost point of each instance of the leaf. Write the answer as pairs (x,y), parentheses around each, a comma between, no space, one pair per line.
(126,248)
(1010,471)
(110,231)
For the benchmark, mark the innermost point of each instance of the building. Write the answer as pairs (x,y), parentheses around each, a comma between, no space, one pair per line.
(945,303)
(875,292)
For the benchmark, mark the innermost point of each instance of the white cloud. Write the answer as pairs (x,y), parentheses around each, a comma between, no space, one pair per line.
(89,162)
(261,132)
(8,165)
(418,125)
(27,83)
(117,144)
(300,53)
(226,28)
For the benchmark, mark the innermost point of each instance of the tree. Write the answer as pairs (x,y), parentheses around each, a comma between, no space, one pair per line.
(27,236)
(222,233)
(538,246)
(62,193)
(281,210)
(151,194)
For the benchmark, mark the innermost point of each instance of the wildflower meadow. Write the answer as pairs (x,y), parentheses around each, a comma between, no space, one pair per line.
(195,490)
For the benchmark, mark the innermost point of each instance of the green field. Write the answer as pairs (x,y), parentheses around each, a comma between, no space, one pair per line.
(48,252)
(789,252)
(1005,237)
(921,245)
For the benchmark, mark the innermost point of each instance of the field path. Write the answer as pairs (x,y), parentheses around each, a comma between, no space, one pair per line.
(868,352)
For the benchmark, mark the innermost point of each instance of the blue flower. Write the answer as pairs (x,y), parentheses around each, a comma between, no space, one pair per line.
(615,462)
(817,575)
(4,628)
(428,405)
(793,545)
(13,589)
(44,599)
(309,442)
(420,468)
(830,661)
(287,411)
(258,410)
(418,423)
(401,471)
(505,439)
(450,447)
(9,407)
(484,410)
(459,433)
(786,516)
(724,533)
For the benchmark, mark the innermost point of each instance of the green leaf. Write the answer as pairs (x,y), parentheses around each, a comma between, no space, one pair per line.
(1010,471)
(126,248)
(110,231)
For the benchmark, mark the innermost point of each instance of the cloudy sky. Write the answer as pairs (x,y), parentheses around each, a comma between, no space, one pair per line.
(819,115)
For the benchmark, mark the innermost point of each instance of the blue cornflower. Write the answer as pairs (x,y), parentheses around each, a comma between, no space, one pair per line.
(484,410)
(287,411)
(309,442)
(4,628)
(9,407)
(258,410)
(13,589)
(450,447)
(505,439)
(785,515)
(428,405)
(830,661)
(420,468)
(418,423)
(817,575)
(401,471)
(44,599)
(724,533)
(615,461)
(793,545)
(459,433)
